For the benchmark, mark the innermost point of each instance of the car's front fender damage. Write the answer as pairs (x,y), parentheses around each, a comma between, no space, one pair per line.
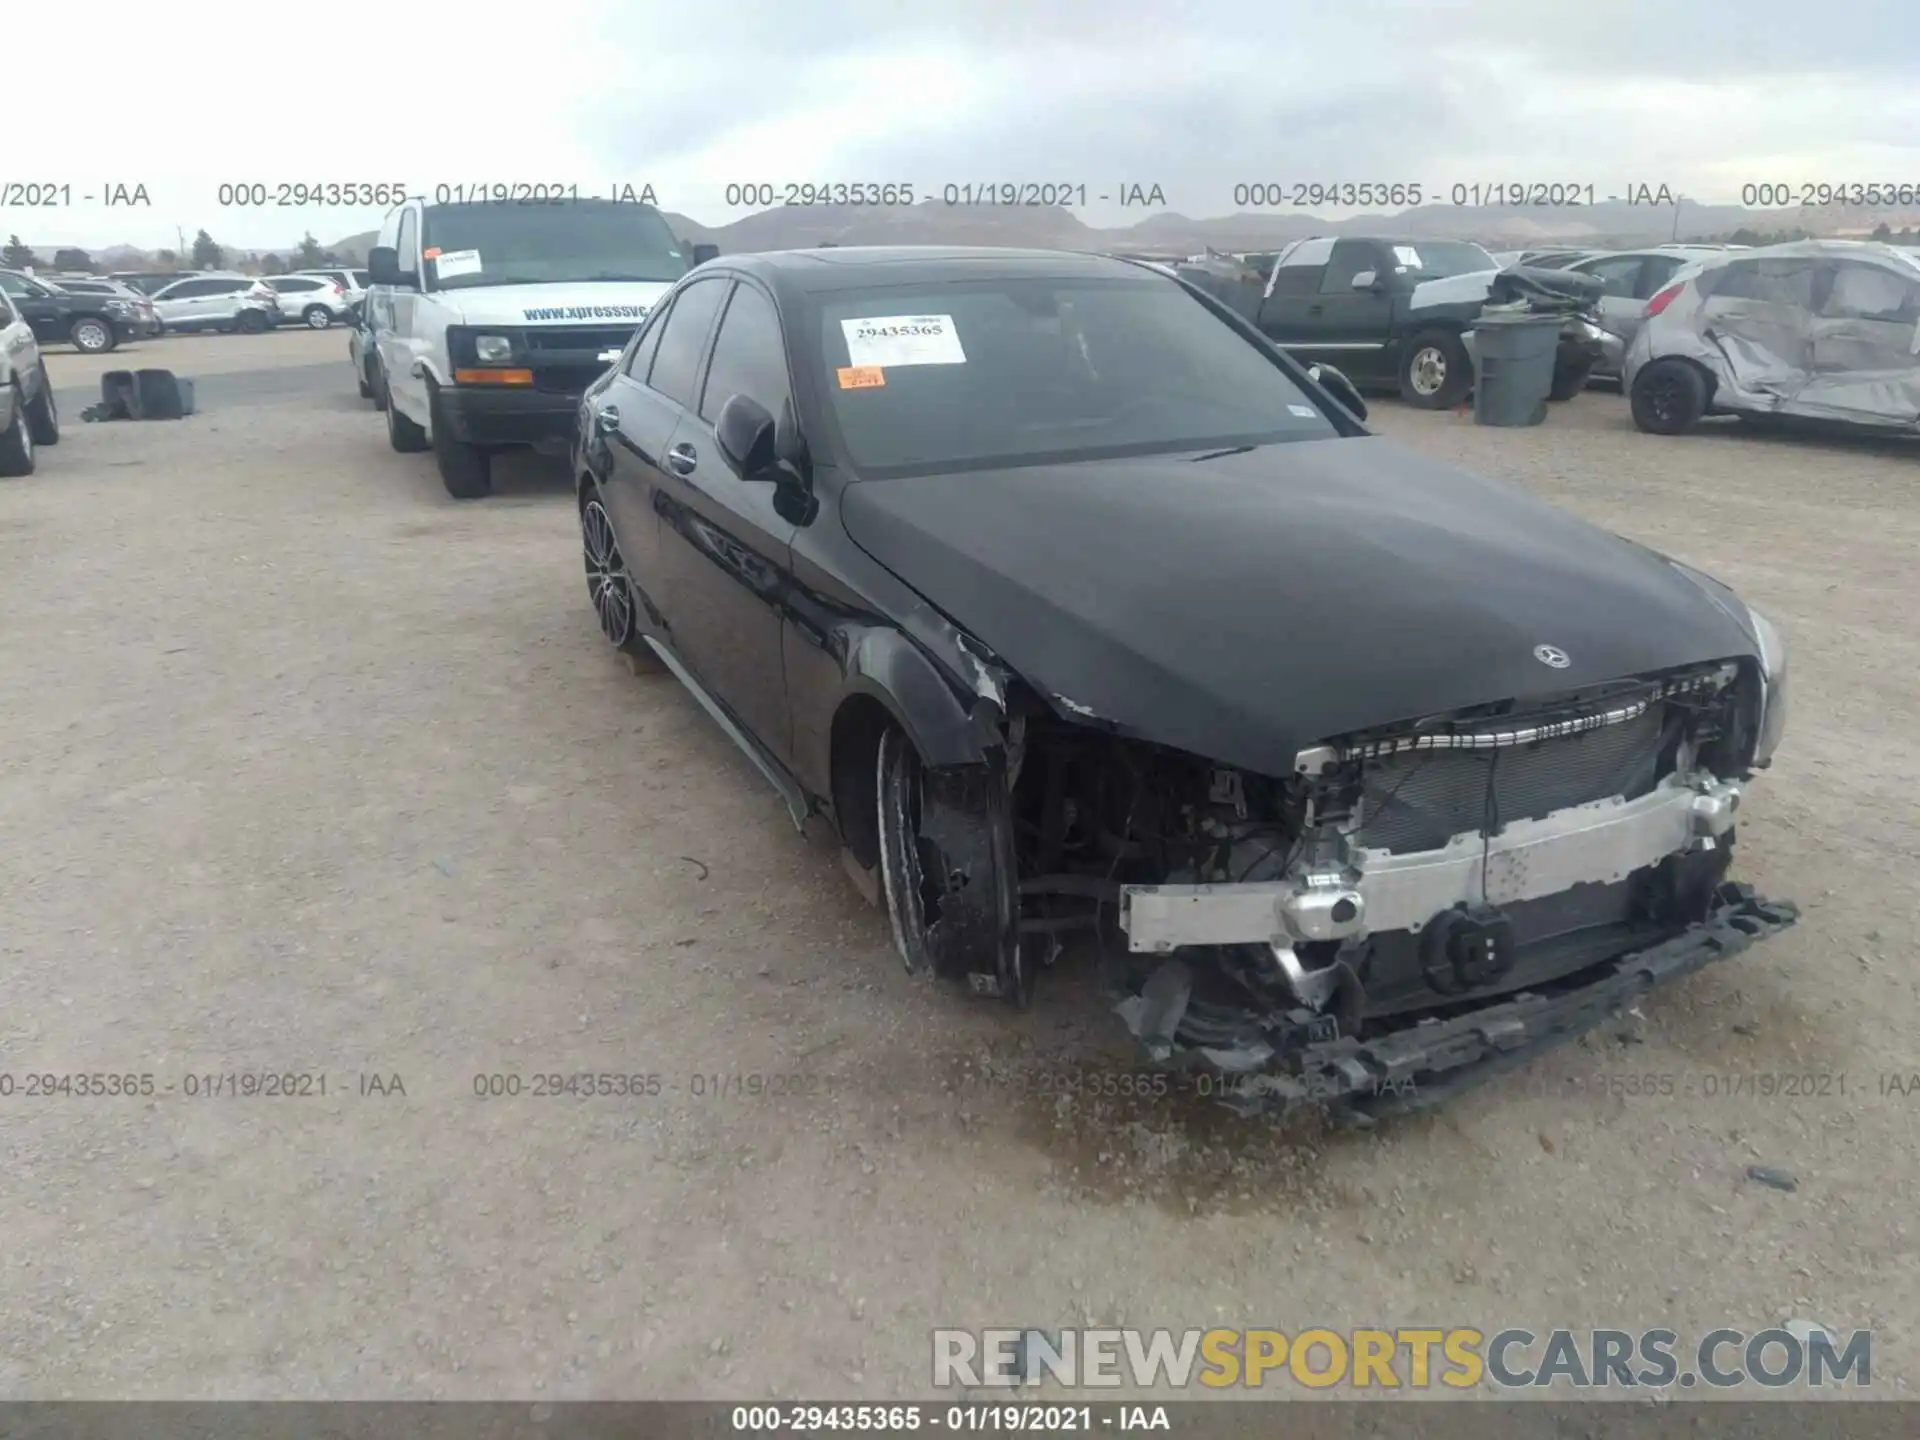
(1412,910)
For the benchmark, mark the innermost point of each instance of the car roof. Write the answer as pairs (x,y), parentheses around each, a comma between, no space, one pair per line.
(851,267)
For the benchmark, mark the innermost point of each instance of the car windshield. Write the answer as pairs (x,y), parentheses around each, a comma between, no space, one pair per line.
(534,244)
(1004,372)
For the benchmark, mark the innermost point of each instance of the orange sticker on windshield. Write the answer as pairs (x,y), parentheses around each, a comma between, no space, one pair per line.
(432,252)
(861,377)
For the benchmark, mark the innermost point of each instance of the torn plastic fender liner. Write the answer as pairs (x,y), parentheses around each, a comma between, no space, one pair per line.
(946,727)
(967,858)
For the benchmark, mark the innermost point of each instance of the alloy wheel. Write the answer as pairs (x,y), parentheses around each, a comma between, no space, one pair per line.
(90,336)
(1428,370)
(606,574)
(1663,398)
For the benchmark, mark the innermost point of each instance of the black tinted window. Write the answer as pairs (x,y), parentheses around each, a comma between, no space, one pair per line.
(1349,259)
(676,366)
(15,285)
(1021,371)
(747,356)
(290,284)
(649,342)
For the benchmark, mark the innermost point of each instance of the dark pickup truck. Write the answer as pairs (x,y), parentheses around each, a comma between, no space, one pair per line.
(91,323)
(1395,314)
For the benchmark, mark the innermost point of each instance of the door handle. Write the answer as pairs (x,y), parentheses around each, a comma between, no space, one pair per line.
(1313,309)
(681,459)
(607,419)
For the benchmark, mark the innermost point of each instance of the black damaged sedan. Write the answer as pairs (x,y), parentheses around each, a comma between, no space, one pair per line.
(1076,606)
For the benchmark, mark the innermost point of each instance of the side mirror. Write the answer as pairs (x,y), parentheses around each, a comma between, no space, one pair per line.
(746,432)
(1336,384)
(704,253)
(1366,280)
(383,267)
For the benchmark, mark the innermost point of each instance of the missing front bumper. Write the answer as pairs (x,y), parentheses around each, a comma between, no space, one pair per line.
(1383,891)
(1425,1063)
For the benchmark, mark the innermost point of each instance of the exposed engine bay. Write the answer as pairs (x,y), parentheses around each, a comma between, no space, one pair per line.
(1407,903)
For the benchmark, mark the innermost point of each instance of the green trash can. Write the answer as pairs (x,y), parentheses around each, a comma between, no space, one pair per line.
(1514,353)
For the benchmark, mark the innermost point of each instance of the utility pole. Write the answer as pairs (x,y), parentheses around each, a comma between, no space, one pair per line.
(1678,201)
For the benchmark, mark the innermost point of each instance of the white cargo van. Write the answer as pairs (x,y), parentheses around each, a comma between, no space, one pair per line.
(488,321)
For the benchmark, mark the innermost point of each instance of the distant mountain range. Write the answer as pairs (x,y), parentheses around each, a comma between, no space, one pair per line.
(1612,223)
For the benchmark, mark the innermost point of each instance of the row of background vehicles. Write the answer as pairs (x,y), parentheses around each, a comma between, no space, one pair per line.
(98,313)
(1820,332)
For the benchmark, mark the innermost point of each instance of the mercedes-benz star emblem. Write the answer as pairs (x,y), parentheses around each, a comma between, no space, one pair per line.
(1552,655)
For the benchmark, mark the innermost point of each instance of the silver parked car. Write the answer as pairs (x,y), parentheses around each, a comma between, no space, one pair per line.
(1815,330)
(217,302)
(1631,278)
(314,301)
(352,282)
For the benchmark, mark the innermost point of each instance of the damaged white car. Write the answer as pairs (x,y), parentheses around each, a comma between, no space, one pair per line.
(1821,331)
(1077,608)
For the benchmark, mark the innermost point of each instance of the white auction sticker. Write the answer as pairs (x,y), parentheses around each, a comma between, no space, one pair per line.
(1305,412)
(450,263)
(1407,255)
(891,340)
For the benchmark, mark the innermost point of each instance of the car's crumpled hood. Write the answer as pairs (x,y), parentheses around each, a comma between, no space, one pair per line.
(600,302)
(1247,606)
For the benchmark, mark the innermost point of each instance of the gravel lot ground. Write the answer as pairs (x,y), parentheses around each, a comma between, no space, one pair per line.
(310,769)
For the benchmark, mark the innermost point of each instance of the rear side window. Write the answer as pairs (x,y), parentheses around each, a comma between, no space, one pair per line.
(747,356)
(642,359)
(1298,272)
(1866,292)
(1349,259)
(1773,282)
(1617,276)
(676,365)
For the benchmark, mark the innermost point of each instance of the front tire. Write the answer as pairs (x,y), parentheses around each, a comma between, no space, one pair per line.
(402,434)
(92,336)
(16,442)
(902,874)
(317,317)
(466,470)
(43,420)
(1668,398)
(377,378)
(366,384)
(1435,373)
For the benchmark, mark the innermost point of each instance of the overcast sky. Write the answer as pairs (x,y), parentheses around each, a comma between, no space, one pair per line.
(1195,96)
